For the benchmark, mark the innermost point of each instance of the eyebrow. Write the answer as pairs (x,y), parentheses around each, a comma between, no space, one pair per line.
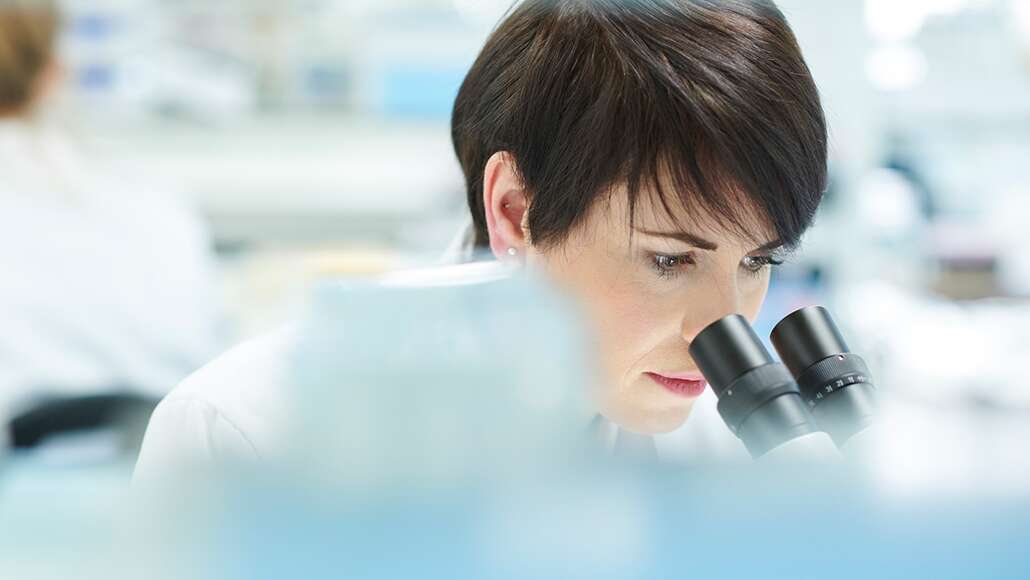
(702,243)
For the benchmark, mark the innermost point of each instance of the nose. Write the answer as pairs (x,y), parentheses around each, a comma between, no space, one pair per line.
(722,300)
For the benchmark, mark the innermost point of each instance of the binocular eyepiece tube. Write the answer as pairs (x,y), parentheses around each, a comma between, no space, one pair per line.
(820,389)
(758,399)
(835,382)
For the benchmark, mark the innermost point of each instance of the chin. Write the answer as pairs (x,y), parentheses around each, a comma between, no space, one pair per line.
(650,421)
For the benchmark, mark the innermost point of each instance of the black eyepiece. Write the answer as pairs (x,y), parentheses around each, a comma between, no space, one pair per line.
(807,337)
(835,383)
(758,399)
(727,349)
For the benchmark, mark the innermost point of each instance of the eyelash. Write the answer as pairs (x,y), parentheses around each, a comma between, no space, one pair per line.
(668,267)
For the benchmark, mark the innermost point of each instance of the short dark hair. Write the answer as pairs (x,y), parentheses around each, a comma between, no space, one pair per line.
(709,98)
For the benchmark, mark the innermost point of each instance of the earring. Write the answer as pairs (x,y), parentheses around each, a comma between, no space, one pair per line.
(513,252)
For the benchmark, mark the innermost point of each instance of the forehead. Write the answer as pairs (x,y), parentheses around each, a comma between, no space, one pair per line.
(748,225)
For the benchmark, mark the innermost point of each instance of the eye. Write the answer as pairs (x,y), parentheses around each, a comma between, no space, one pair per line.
(754,265)
(668,267)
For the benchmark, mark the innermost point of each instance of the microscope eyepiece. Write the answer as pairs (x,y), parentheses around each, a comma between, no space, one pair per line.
(807,337)
(726,350)
(758,399)
(834,382)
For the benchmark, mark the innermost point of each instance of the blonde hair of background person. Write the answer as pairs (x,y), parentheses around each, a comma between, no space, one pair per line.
(28,67)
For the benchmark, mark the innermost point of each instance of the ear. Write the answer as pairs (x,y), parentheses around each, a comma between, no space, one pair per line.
(506,205)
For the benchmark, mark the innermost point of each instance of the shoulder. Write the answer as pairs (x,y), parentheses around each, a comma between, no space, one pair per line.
(230,410)
(242,378)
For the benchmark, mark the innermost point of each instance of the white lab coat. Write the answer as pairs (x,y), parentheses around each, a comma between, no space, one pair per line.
(233,410)
(106,284)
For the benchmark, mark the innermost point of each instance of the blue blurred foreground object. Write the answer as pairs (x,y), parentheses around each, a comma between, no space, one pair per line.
(440,430)
(415,379)
(440,434)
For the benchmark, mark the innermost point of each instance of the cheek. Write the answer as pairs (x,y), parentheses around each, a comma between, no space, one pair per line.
(627,319)
(751,303)
(627,322)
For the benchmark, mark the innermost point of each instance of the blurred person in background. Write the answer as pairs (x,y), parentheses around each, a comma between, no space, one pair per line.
(107,299)
(655,158)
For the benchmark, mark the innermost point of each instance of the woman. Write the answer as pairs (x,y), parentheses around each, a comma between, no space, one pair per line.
(107,287)
(653,157)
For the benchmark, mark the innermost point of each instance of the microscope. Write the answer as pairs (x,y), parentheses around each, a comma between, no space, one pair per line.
(820,402)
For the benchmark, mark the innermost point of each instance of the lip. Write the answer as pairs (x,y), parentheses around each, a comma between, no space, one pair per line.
(683,384)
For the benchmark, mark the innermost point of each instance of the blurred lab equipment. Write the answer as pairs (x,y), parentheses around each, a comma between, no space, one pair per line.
(440,379)
(376,377)
(65,416)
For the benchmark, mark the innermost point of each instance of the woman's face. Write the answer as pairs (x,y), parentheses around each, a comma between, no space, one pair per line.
(649,288)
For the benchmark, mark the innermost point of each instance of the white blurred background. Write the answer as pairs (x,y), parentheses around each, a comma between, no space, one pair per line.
(320,125)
